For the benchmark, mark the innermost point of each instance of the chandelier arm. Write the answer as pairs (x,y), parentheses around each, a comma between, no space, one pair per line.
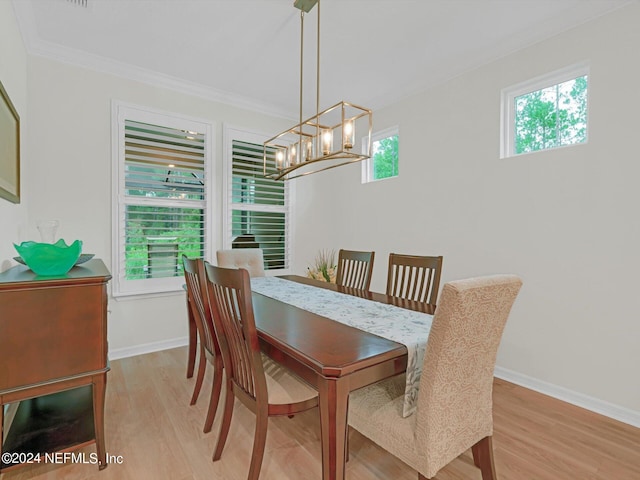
(318,73)
(301,71)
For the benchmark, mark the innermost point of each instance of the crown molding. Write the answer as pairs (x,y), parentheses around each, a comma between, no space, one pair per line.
(38,47)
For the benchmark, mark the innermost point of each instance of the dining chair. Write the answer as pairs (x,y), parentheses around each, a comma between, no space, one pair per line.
(414,277)
(194,274)
(262,385)
(251,259)
(454,407)
(354,269)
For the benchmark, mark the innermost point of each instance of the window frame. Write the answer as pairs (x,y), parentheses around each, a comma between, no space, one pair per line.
(120,112)
(507,105)
(229,134)
(367,164)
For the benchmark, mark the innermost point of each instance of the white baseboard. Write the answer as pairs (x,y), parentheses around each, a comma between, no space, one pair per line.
(147,348)
(622,414)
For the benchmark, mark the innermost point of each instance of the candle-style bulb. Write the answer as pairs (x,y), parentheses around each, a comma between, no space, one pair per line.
(279,158)
(308,149)
(348,134)
(327,141)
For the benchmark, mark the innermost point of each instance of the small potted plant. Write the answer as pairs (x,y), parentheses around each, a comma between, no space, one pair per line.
(324,267)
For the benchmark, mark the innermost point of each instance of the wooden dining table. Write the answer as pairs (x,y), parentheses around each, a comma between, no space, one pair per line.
(333,357)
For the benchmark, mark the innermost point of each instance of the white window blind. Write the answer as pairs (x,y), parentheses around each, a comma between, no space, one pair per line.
(162,208)
(258,207)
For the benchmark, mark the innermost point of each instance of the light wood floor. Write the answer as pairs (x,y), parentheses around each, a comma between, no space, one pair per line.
(150,424)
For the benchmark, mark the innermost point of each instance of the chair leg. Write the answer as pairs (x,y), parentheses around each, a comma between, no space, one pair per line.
(259,441)
(226,422)
(346,446)
(202,364)
(476,462)
(215,393)
(193,340)
(483,458)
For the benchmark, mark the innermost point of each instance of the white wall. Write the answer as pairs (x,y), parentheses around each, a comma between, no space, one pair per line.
(70,108)
(567,221)
(13,75)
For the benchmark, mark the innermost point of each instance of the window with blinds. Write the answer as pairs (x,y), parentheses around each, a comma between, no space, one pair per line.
(258,207)
(162,208)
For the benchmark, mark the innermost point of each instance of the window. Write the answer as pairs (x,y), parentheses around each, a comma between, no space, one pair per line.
(161,198)
(384,156)
(547,112)
(257,212)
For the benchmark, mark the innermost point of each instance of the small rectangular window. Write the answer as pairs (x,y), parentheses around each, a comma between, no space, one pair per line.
(384,156)
(545,113)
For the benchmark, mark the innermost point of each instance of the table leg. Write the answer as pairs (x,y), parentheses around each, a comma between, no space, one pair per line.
(99,391)
(193,340)
(333,399)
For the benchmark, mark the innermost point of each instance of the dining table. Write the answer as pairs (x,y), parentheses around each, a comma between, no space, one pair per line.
(333,357)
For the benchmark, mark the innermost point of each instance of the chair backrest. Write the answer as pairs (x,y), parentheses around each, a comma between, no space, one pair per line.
(195,279)
(354,269)
(414,277)
(251,259)
(229,293)
(454,409)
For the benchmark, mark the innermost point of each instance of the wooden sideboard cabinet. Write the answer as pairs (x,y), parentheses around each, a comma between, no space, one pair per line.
(53,360)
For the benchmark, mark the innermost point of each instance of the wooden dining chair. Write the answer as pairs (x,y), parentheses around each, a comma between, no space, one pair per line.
(263,386)
(209,348)
(354,269)
(454,408)
(414,277)
(251,259)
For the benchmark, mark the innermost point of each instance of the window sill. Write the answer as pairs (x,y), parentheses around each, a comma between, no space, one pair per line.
(127,297)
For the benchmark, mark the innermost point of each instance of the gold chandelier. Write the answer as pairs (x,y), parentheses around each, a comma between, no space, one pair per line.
(325,140)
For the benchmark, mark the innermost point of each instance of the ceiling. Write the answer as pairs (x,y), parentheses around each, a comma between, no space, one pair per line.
(247,52)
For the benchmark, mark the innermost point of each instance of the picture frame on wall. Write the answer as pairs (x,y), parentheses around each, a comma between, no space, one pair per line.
(9,149)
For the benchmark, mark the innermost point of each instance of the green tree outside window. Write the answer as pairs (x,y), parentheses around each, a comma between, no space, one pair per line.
(385,158)
(552,117)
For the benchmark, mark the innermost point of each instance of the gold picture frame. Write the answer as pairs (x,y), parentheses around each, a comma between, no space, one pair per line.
(9,149)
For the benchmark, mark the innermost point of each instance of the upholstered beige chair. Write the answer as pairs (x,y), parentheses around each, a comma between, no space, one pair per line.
(454,410)
(263,386)
(251,259)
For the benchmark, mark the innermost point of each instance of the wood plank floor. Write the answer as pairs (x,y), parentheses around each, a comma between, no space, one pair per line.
(150,424)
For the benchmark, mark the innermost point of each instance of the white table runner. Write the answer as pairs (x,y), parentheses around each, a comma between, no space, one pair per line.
(394,323)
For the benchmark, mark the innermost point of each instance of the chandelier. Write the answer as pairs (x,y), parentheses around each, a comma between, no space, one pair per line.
(323,141)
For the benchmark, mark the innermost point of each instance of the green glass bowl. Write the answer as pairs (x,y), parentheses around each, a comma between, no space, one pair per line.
(50,258)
